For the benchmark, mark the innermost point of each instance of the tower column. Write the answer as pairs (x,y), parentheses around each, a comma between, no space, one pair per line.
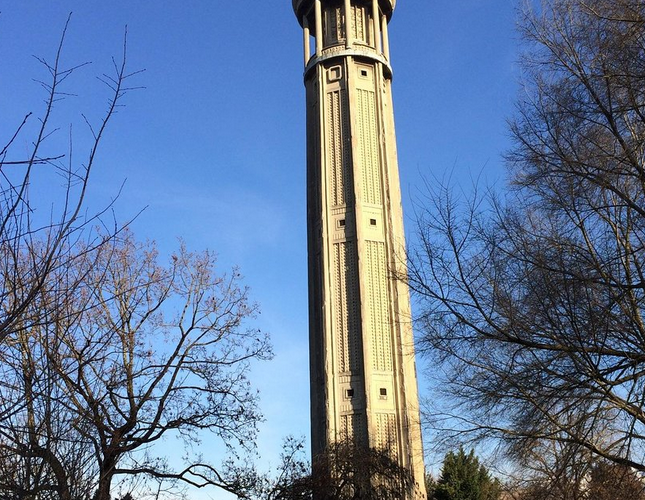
(376,20)
(319,28)
(386,40)
(306,35)
(363,376)
(348,24)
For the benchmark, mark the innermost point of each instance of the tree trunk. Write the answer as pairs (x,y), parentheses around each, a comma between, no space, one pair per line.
(105,479)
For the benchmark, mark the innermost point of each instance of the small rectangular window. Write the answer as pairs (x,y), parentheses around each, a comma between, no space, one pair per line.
(349,394)
(372,222)
(334,73)
(383,393)
(341,223)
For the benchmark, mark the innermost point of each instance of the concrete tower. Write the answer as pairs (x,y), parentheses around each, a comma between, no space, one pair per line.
(363,377)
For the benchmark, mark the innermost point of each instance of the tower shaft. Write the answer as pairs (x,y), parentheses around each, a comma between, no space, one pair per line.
(363,377)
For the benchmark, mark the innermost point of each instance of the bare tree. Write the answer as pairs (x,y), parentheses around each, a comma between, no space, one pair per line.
(104,352)
(552,470)
(534,302)
(609,481)
(38,238)
(601,481)
(292,480)
(138,353)
(35,235)
(346,471)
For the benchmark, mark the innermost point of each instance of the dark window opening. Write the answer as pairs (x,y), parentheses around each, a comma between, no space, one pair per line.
(341,222)
(364,72)
(373,222)
(349,393)
(383,392)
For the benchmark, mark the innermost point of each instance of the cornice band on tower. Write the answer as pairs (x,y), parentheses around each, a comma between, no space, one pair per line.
(358,54)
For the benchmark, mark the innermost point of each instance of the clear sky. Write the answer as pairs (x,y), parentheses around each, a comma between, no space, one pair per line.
(213,148)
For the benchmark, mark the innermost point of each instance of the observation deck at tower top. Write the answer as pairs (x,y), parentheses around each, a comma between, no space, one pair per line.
(361,34)
(302,6)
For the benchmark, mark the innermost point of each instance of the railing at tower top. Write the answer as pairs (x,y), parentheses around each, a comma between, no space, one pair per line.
(344,27)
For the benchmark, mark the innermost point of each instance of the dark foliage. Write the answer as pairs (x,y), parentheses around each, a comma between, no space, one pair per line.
(463,477)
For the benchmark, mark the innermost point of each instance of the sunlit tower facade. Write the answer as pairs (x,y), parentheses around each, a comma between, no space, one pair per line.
(363,376)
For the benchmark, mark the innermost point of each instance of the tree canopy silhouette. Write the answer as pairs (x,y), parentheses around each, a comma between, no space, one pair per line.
(534,301)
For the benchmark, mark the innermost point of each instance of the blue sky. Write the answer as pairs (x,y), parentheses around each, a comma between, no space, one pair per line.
(213,147)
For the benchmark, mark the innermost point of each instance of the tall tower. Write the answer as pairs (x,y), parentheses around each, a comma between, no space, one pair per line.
(363,377)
